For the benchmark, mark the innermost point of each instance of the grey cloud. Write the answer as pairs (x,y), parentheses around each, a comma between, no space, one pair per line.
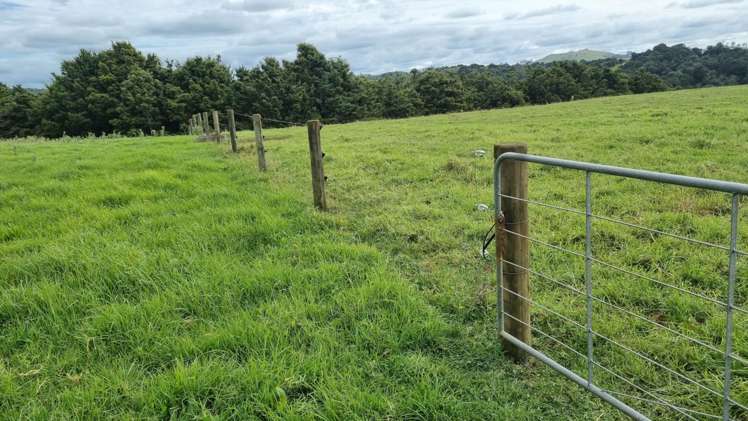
(555,41)
(90,21)
(704,27)
(197,25)
(546,11)
(31,70)
(372,35)
(63,39)
(258,6)
(463,13)
(271,39)
(9,5)
(697,4)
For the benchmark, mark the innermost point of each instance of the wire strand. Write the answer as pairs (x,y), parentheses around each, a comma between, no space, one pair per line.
(631,313)
(291,123)
(542,307)
(566,346)
(622,222)
(703,414)
(668,369)
(628,272)
(638,354)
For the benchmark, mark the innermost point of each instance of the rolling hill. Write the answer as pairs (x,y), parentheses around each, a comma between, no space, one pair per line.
(163,277)
(581,55)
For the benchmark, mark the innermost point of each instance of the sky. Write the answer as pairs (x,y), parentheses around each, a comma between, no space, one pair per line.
(373,36)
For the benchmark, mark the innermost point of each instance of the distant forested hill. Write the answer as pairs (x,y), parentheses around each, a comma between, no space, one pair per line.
(582,55)
(123,90)
(684,67)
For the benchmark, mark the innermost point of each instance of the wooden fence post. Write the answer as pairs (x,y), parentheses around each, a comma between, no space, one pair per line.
(206,129)
(318,173)
(163,131)
(232,129)
(514,249)
(199,123)
(216,126)
(260,140)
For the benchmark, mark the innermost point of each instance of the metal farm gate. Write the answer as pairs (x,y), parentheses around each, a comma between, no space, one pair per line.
(514,301)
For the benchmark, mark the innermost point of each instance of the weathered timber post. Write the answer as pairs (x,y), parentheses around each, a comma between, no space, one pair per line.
(206,124)
(318,173)
(163,131)
(232,129)
(199,120)
(260,140)
(190,125)
(514,248)
(216,127)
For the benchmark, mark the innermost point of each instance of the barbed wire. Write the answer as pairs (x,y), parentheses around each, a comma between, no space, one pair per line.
(274,120)
(268,119)
(290,123)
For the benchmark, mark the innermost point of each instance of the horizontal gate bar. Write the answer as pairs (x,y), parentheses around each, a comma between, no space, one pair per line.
(679,180)
(631,412)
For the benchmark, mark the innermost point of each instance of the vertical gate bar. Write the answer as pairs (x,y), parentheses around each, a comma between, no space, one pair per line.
(588,268)
(730,305)
(499,243)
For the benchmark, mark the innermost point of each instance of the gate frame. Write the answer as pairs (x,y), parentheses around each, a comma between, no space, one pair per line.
(736,189)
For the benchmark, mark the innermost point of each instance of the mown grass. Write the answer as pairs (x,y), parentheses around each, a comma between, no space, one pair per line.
(166,278)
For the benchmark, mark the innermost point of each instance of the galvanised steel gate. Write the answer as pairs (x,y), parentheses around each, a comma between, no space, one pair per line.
(730,309)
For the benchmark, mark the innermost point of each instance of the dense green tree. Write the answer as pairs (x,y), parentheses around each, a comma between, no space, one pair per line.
(683,67)
(552,84)
(641,82)
(65,107)
(138,107)
(322,87)
(398,98)
(122,89)
(485,91)
(440,92)
(18,112)
(206,83)
(5,99)
(4,95)
(264,90)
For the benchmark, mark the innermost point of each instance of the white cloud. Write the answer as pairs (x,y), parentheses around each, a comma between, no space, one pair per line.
(372,35)
(697,4)
(545,11)
(258,6)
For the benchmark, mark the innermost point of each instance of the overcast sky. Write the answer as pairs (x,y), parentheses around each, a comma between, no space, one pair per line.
(374,36)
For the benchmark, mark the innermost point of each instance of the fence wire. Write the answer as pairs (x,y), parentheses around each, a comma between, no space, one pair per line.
(272,120)
(650,397)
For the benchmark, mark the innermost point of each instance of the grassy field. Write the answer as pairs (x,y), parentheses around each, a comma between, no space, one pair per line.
(167,278)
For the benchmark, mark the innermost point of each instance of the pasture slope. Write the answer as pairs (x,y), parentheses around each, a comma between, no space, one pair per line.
(167,278)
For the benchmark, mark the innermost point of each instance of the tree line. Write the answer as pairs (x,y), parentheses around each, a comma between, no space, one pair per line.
(125,91)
